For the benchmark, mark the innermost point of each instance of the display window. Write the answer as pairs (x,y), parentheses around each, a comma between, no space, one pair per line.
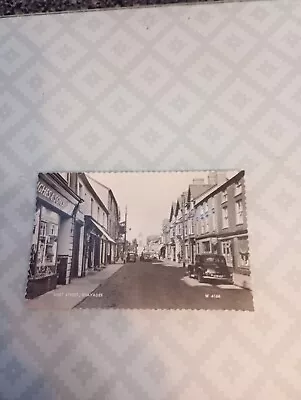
(47,243)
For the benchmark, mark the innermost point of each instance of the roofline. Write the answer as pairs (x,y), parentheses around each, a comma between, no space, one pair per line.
(104,186)
(222,186)
(83,176)
(56,176)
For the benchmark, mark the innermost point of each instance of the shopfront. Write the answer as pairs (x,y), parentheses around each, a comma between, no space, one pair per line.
(242,263)
(227,252)
(52,240)
(97,246)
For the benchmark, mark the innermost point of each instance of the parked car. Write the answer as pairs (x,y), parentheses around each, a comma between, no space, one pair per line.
(131,257)
(210,267)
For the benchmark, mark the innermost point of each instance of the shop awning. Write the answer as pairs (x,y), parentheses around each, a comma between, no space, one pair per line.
(102,230)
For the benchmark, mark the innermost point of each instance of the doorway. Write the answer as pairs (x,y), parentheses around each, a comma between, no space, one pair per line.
(75,250)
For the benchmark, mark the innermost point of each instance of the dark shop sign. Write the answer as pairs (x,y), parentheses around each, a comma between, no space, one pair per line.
(49,194)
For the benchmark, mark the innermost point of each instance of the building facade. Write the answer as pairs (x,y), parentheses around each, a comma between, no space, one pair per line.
(97,241)
(73,233)
(113,218)
(221,223)
(210,218)
(56,219)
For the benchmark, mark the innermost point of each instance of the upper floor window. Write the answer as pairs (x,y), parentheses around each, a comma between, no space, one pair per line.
(202,227)
(92,206)
(207,226)
(66,176)
(201,212)
(98,213)
(239,212)
(224,195)
(213,220)
(238,188)
(80,190)
(191,227)
(225,217)
(69,178)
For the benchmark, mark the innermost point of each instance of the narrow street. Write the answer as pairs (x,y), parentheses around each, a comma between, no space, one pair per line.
(147,285)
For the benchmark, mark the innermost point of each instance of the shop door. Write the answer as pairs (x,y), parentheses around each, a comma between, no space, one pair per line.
(227,253)
(97,253)
(75,251)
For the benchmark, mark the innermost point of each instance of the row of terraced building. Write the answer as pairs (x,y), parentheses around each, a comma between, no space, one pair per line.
(210,217)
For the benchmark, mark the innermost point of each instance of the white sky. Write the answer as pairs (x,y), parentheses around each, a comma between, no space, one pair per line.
(148,196)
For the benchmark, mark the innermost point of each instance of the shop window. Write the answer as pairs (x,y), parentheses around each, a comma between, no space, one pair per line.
(206,247)
(47,249)
(43,229)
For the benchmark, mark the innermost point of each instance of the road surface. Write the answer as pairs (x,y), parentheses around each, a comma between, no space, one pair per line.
(148,285)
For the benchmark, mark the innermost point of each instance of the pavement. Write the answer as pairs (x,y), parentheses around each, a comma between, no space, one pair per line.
(240,280)
(145,285)
(66,297)
(171,263)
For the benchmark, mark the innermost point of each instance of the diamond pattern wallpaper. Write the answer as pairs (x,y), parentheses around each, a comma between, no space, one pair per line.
(169,88)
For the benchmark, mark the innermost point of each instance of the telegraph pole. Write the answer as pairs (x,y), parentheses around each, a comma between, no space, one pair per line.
(183,228)
(125,229)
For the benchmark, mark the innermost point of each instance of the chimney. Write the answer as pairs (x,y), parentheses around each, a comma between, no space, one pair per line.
(198,181)
(216,177)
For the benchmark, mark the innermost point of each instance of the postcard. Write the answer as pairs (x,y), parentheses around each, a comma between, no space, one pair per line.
(140,240)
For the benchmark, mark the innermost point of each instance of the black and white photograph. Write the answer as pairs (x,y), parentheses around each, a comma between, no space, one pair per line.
(140,240)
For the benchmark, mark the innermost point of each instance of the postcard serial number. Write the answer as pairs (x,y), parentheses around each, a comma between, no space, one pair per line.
(212,296)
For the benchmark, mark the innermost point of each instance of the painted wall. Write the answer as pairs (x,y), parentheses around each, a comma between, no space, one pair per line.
(85,207)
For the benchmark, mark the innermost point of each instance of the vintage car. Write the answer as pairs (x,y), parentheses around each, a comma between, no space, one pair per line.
(146,256)
(209,268)
(131,257)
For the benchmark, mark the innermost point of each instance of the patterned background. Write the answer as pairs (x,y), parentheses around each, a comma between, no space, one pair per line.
(187,87)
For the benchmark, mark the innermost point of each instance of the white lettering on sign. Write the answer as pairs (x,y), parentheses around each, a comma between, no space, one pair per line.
(49,194)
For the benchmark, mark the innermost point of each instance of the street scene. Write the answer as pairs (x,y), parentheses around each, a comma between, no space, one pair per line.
(165,240)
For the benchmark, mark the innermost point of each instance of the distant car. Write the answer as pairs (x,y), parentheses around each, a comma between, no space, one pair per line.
(131,257)
(210,268)
(147,257)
